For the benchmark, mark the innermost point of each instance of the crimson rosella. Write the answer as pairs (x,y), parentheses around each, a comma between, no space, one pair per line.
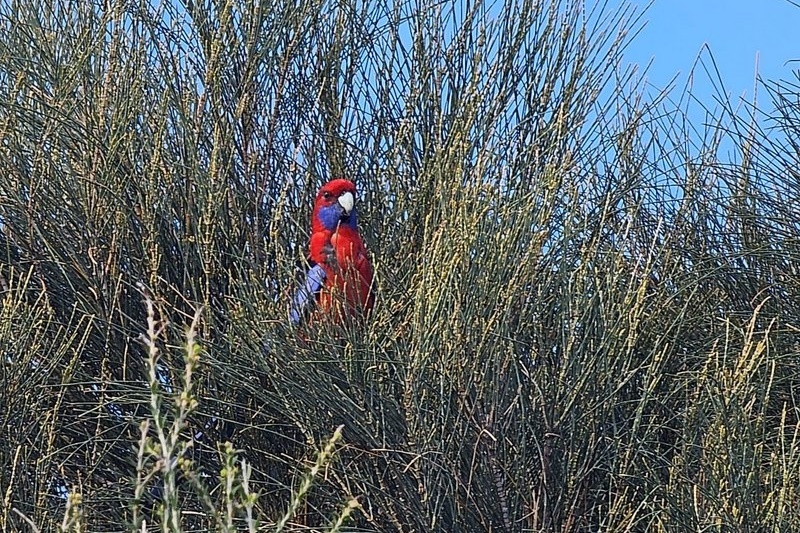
(340,277)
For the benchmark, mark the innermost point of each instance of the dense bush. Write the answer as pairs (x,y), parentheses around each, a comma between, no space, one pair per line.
(587,319)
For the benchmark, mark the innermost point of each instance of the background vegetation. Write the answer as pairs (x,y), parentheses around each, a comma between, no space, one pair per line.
(587,315)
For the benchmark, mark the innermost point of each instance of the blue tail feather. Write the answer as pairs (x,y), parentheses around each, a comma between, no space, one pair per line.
(306,296)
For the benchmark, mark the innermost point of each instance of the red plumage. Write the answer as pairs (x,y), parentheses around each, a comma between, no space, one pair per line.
(338,248)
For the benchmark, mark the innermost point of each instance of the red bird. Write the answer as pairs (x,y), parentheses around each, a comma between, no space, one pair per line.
(340,277)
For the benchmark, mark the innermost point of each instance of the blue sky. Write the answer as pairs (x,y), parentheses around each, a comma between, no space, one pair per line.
(735,30)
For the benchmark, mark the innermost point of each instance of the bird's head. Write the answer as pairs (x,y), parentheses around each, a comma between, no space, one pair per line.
(335,205)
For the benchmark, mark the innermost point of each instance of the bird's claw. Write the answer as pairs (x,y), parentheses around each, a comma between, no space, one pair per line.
(329,255)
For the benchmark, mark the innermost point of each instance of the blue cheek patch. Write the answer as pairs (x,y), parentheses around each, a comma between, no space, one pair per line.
(351,220)
(330,216)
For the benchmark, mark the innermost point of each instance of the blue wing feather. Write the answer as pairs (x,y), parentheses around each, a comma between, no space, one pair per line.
(306,296)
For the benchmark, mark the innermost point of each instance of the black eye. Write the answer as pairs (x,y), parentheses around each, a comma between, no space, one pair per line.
(326,195)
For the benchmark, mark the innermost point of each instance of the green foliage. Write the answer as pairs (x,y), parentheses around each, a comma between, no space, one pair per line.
(586,320)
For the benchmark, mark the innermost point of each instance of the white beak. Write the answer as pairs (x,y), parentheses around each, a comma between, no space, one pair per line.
(347,201)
